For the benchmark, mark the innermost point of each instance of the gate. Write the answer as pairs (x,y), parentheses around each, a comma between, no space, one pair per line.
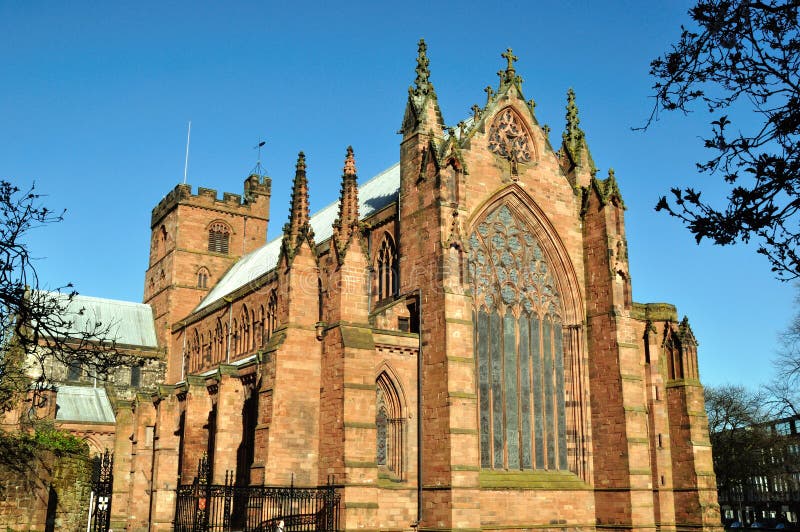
(206,507)
(102,487)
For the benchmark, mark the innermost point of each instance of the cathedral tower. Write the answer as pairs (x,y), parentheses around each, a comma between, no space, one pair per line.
(195,239)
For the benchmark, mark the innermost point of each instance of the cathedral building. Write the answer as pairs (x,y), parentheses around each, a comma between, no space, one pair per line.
(453,345)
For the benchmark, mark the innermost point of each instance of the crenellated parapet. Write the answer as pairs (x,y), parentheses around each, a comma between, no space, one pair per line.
(253,202)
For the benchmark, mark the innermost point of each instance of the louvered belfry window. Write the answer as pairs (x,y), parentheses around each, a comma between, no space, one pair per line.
(218,238)
(518,347)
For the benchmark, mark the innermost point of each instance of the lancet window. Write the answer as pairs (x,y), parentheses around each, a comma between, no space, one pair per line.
(218,238)
(518,347)
(387,268)
(390,425)
(244,332)
(271,317)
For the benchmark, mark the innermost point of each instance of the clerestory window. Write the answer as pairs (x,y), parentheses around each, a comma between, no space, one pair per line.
(387,269)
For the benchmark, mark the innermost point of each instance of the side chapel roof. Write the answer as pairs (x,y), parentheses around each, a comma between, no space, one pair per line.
(128,323)
(373,195)
(83,404)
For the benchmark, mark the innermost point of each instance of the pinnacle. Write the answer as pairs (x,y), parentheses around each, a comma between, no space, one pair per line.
(347,222)
(423,84)
(573,136)
(298,216)
(350,163)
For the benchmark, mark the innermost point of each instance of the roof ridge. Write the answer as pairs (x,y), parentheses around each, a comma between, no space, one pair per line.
(229,282)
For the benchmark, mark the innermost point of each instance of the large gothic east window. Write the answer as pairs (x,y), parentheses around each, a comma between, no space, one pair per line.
(518,346)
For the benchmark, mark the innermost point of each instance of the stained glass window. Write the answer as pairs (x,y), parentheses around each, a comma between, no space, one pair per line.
(519,347)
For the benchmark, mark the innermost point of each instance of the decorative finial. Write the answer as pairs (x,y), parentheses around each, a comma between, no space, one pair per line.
(510,57)
(611,175)
(573,136)
(298,227)
(532,104)
(476,113)
(489,94)
(572,111)
(346,225)
(546,130)
(422,82)
(349,163)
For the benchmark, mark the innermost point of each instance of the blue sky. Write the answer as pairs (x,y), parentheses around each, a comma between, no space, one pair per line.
(95,100)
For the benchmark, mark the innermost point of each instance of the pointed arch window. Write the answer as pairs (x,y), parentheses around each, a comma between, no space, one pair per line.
(244,331)
(218,238)
(387,268)
(271,318)
(202,278)
(255,333)
(518,348)
(235,336)
(391,430)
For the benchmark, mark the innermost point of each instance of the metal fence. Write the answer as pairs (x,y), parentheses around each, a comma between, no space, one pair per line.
(209,507)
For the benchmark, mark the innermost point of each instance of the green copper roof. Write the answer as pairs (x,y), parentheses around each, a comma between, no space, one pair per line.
(128,323)
(83,404)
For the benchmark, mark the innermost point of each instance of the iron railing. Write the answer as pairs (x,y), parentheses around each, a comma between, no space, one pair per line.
(206,507)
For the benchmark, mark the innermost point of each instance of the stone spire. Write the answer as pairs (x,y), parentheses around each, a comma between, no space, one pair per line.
(297,228)
(423,84)
(422,111)
(347,222)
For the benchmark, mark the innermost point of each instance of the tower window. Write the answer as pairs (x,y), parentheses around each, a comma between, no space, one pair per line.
(218,238)
(202,278)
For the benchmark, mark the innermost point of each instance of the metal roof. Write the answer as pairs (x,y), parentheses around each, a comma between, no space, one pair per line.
(83,404)
(128,323)
(373,195)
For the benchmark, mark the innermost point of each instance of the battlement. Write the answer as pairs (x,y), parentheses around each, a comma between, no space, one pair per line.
(254,202)
(654,312)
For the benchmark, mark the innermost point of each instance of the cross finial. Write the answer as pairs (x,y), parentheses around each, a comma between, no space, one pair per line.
(489,94)
(476,112)
(510,57)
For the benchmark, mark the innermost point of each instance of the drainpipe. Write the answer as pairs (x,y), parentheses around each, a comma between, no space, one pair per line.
(371,272)
(419,408)
(418,293)
(230,332)
(183,355)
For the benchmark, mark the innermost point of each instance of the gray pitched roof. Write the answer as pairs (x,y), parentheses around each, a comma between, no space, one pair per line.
(83,404)
(373,195)
(128,323)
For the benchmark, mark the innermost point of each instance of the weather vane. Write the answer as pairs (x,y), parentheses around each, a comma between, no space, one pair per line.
(259,170)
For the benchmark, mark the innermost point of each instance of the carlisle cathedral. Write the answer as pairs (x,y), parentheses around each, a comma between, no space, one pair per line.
(453,345)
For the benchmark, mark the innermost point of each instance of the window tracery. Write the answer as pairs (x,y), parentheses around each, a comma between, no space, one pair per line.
(387,268)
(519,351)
(508,138)
(390,424)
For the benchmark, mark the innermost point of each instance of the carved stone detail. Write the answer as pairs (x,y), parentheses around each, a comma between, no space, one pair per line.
(509,139)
